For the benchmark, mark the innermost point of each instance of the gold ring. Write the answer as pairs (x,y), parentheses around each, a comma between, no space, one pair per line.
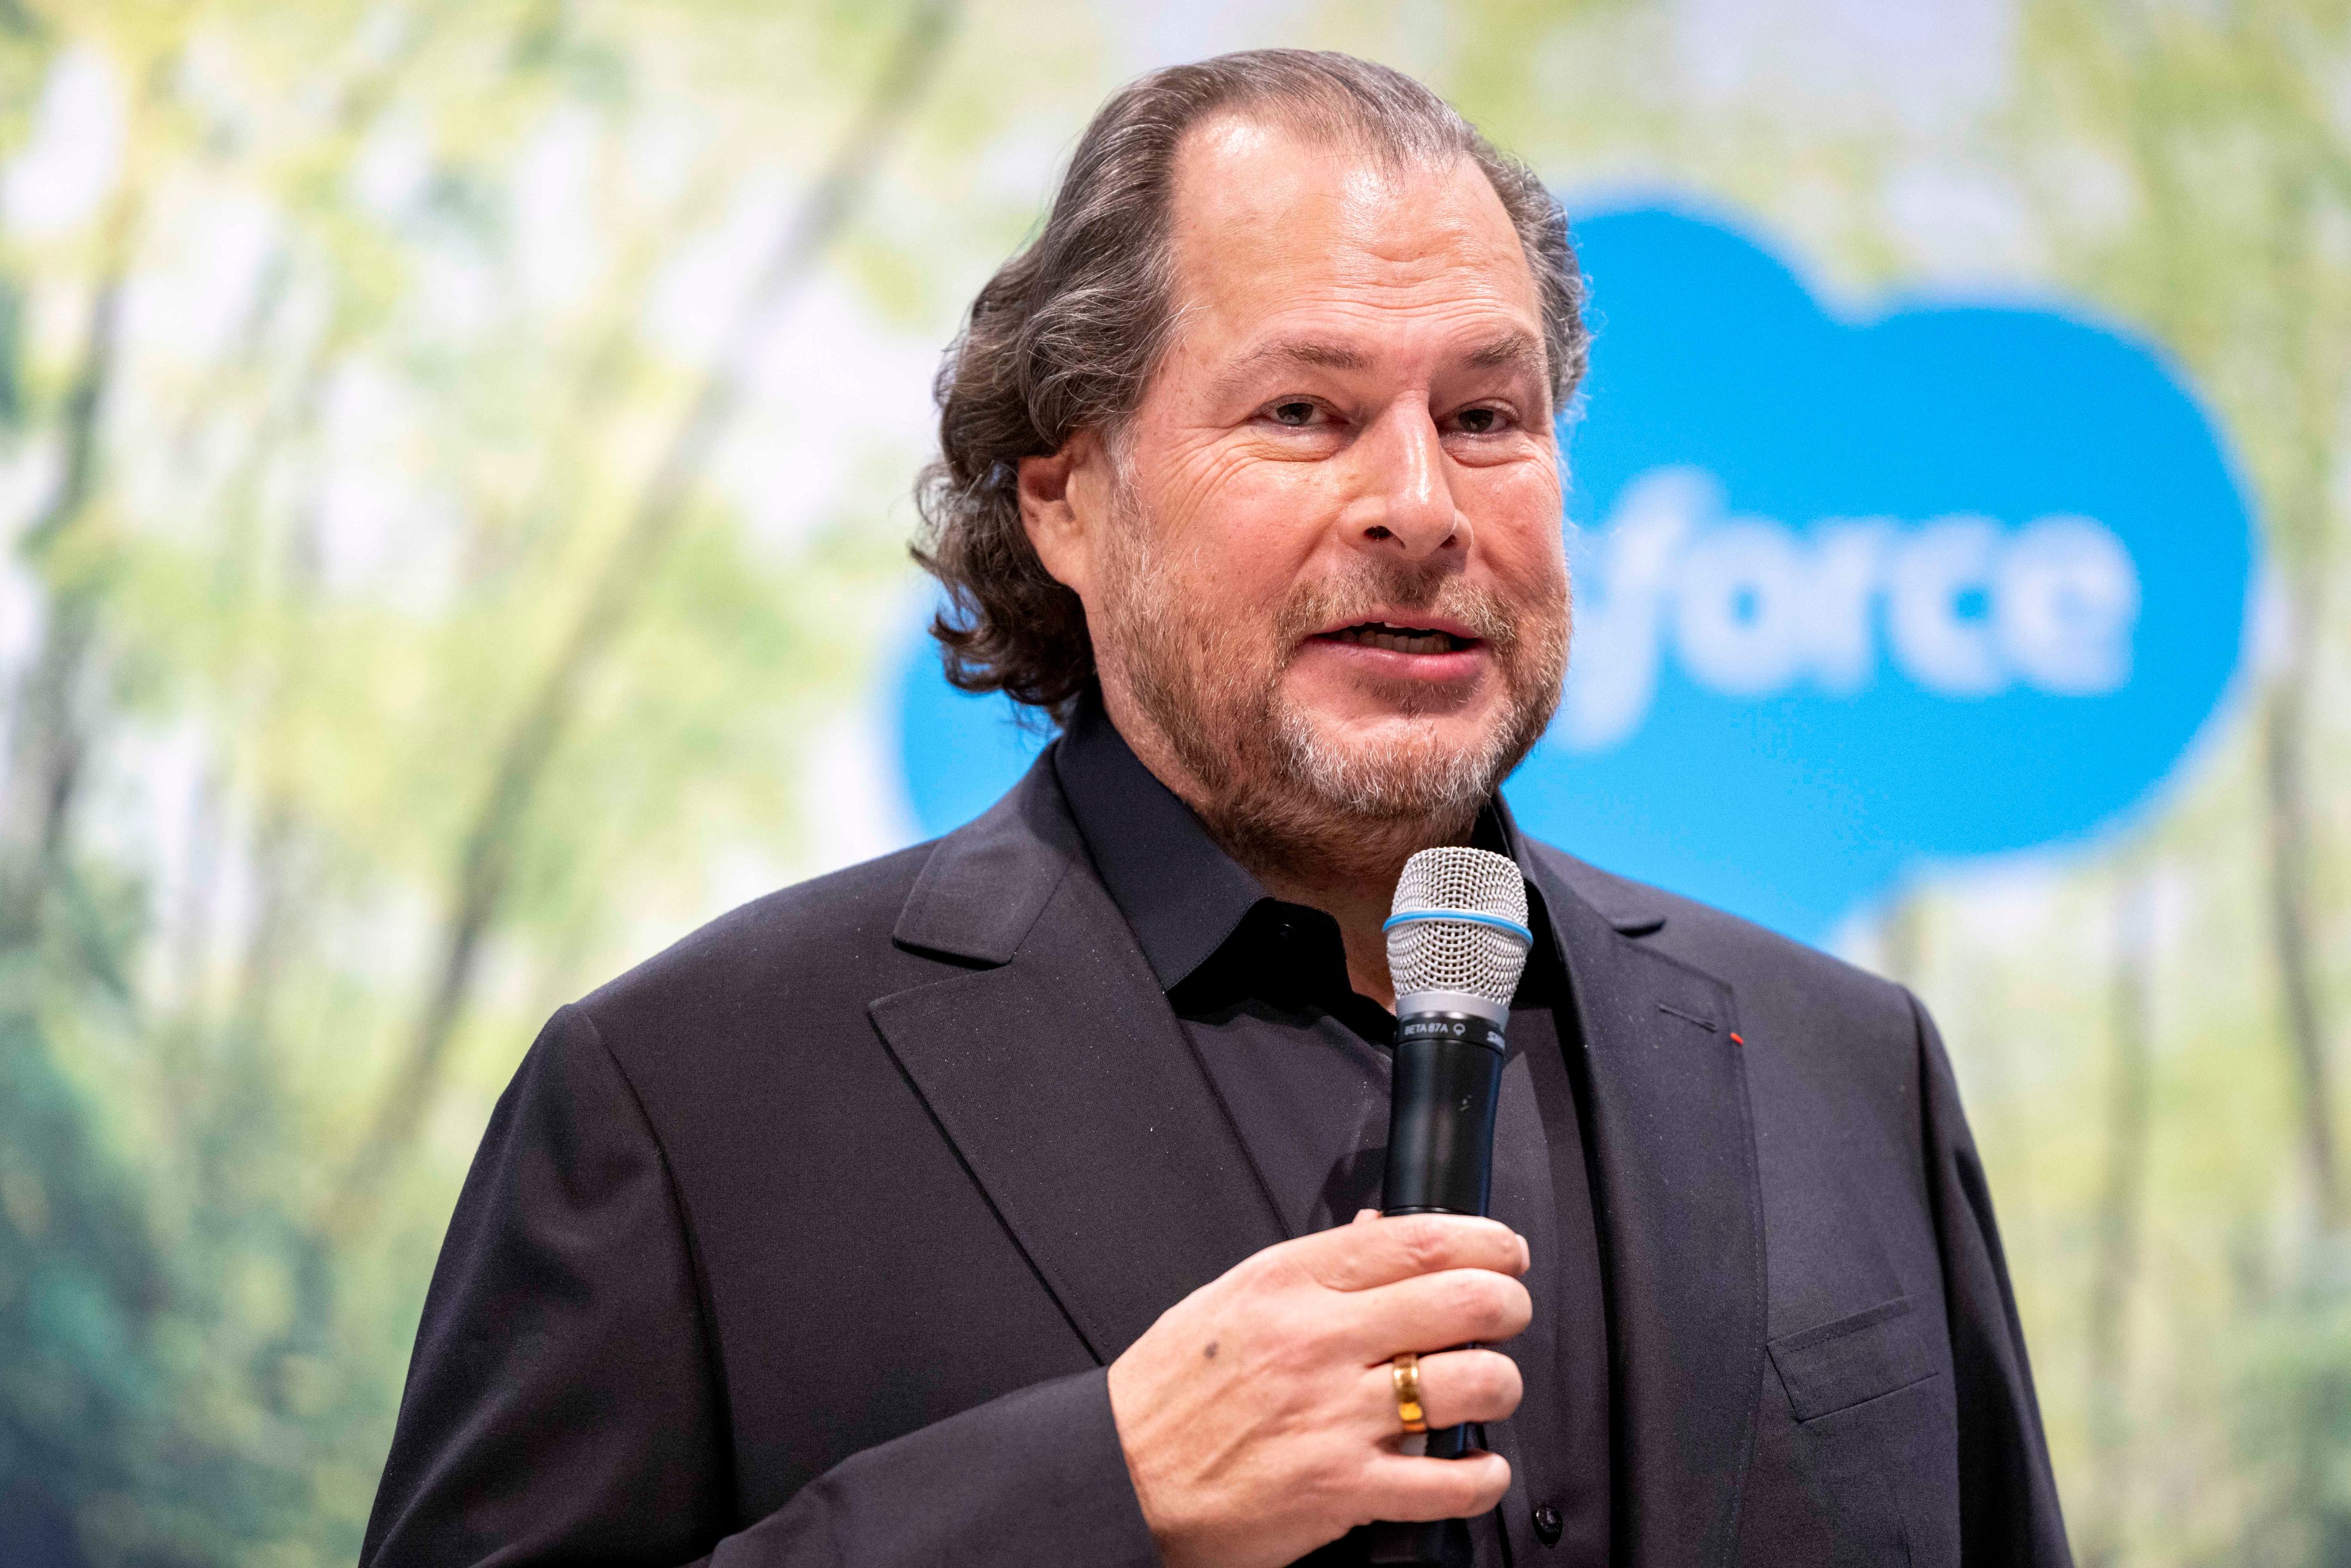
(1406,1370)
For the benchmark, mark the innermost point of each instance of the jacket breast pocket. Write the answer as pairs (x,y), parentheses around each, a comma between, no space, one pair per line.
(1861,1356)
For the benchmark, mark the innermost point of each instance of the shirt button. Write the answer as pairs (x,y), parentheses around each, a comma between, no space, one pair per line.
(1548,1524)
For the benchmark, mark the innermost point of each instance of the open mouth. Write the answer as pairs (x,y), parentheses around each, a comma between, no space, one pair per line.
(1401,639)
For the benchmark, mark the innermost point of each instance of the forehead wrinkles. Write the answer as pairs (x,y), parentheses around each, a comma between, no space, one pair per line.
(1255,205)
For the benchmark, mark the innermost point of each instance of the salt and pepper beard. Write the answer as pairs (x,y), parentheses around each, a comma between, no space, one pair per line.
(1281,794)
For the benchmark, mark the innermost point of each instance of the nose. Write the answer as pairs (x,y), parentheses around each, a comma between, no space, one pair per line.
(1406,502)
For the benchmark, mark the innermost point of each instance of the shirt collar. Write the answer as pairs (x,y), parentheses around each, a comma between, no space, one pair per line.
(1174,884)
(1179,890)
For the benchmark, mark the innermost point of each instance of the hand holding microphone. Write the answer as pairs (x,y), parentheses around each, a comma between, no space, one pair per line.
(1260,1415)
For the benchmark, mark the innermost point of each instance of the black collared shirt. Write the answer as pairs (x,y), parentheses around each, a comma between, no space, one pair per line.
(1300,1062)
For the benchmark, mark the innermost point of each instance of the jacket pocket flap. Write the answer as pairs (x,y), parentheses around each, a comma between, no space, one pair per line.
(1860,1356)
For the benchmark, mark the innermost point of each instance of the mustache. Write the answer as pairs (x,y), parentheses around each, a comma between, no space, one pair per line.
(1367,588)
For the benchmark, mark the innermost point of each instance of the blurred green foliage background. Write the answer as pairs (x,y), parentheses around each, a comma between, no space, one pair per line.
(455,459)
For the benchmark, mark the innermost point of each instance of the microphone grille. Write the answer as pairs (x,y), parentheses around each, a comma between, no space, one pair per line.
(1427,952)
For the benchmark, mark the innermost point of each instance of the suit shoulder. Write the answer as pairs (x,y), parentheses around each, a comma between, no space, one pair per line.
(1758,963)
(829,933)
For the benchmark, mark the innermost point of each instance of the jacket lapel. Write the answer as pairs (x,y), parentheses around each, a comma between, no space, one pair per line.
(1063,1079)
(1679,1215)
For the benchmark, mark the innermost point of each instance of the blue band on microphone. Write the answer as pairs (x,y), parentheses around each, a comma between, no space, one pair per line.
(1469,917)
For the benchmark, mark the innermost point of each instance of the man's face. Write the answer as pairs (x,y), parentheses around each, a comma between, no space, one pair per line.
(1324,559)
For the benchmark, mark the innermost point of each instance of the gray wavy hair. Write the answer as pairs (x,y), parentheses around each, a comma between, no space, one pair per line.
(1065,337)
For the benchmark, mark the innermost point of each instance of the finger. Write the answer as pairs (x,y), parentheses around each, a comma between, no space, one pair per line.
(1363,1214)
(1456,1385)
(1431,1312)
(1410,1487)
(1380,1251)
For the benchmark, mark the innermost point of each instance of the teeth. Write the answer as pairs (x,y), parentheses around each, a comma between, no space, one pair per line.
(1397,640)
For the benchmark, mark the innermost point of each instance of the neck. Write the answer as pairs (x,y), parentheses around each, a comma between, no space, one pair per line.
(1305,853)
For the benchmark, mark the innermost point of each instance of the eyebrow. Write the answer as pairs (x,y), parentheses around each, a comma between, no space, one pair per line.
(1298,353)
(1512,350)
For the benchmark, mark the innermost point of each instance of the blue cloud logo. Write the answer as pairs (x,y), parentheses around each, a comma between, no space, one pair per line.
(1850,596)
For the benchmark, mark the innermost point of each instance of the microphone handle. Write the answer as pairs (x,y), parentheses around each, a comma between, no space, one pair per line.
(1447,1080)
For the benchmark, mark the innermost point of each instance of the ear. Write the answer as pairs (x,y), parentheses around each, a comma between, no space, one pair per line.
(1062,507)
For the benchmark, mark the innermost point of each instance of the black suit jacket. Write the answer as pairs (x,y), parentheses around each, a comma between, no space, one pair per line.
(806,1242)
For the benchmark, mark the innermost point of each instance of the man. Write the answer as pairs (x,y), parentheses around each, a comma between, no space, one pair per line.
(1008,1200)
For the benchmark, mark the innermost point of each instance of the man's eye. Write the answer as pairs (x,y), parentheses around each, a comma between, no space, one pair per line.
(1480,420)
(1293,414)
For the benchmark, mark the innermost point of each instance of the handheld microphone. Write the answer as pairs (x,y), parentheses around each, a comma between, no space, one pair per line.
(1457,942)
